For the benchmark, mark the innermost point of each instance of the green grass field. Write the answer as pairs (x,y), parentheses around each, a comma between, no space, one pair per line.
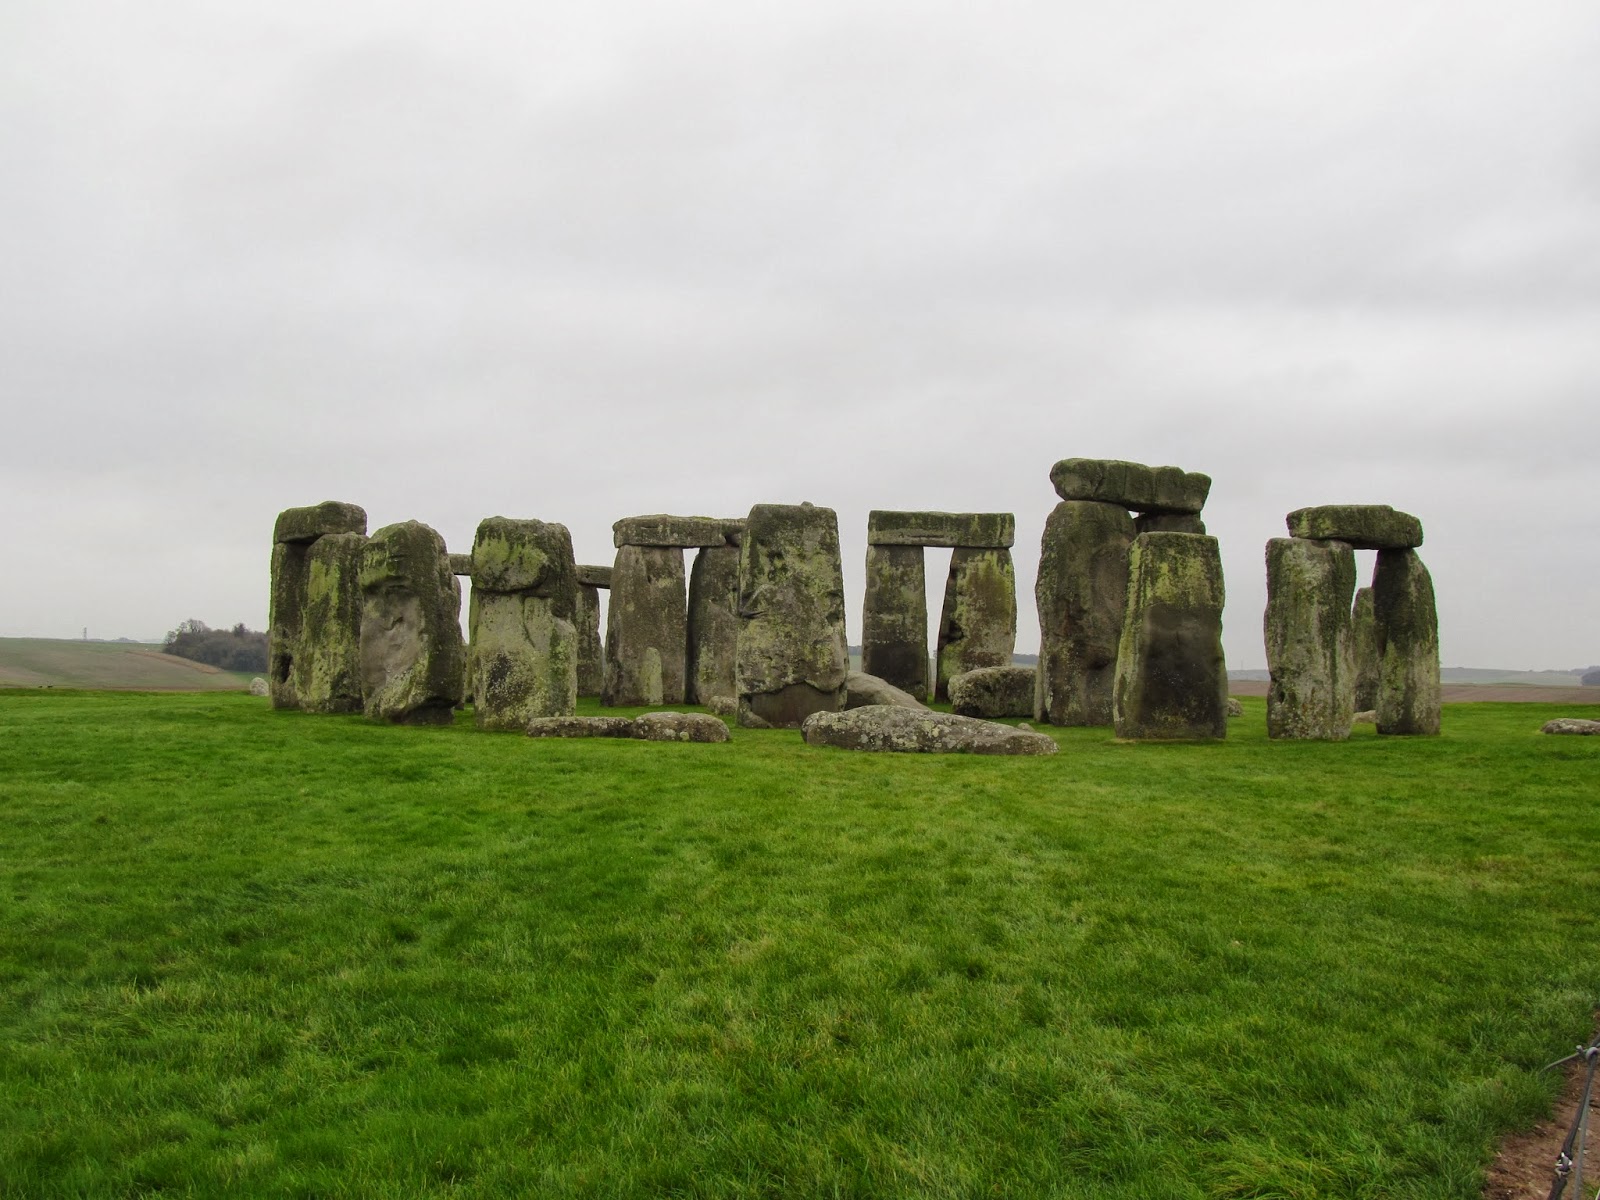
(57,663)
(248,953)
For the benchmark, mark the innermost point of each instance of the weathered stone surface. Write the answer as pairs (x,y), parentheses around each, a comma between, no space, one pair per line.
(997,531)
(1308,637)
(723,706)
(572,727)
(258,686)
(512,554)
(664,529)
(1364,526)
(1082,597)
(413,660)
(1572,725)
(862,689)
(894,618)
(524,652)
(647,629)
(1366,717)
(1364,650)
(1172,679)
(591,650)
(1408,644)
(994,692)
(679,727)
(1168,523)
(713,623)
(461,565)
(792,656)
(302,525)
(906,730)
(1235,709)
(1131,485)
(590,575)
(314,629)
(978,624)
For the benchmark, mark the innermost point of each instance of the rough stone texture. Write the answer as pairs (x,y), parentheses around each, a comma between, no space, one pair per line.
(792,656)
(523,616)
(413,660)
(461,564)
(1235,709)
(862,689)
(1364,526)
(469,677)
(258,686)
(713,623)
(1168,523)
(590,575)
(1408,644)
(1366,717)
(314,630)
(894,618)
(1308,638)
(994,692)
(1082,596)
(723,706)
(1131,485)
(679,727)
(1172,679)
(1572,725)
(1364,650)
(647,630)
(906,730)
(686,533)
(995,531)
(978,624)
(591,650)
(569,727)
(300,526)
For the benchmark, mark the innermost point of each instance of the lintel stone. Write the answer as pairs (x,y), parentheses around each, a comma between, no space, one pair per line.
(978,531)
(1132,485)
(592,575)
(295,525)
(461,564)
(1363,526)
(664,529)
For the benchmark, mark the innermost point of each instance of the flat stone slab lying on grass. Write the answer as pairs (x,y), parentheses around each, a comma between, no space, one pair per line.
(577,727)
(1571,725)
(647,727)
(1363,526)
(905,730)
(664,529)
(994,692)
(1131,485)
(863,690)
(1235,709)
(996,531)
(1368,716)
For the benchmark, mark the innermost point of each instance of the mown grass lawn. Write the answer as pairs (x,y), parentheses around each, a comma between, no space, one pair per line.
(249,953)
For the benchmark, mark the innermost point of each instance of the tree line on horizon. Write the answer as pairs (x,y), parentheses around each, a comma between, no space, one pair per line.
(236,649)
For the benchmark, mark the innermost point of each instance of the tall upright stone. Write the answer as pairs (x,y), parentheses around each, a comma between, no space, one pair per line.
(314,624)
(525,636)
(714,623)
(894,618)
(1408,644)
(978,624)
(647,630)
(1082,596)
(1172,679)
(413,659)
(793,659)
(591,650)
(1308,638)
(1364,648)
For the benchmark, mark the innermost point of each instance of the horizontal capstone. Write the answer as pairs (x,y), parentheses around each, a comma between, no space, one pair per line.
(1131,485)
(974,531)
(1364,526)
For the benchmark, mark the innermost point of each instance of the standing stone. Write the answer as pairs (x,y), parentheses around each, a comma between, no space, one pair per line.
(647,631)
(1082,594)
(1168,523)
(894,618)
(413,661)
(525,637)
(713,623)
(1408,644)
(1309,651)
(314,625)
(591,650)
(792,659)
(1364,648)
(978,625)
(1172,680)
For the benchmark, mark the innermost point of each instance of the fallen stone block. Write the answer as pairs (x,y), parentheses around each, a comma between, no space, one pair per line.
(994,692)
(1131,485)
(1235,709)
(903,730)
(992,531)
(1363,526)
(576,727)
(258,686)
(679,727)
(298,525)
(863,689)
(686,533)
(1571,725)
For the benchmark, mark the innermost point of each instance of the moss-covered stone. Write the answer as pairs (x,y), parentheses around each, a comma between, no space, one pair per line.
(1172,679)
(976,530)
(713,624)
(1308,637)
(994,692)
(887,728)
(894,618)
(1168,523)
(461,565)
(413,659)
(522,555)
(792,657)
(285,615)
(593,575)
(591,650)
(1131,485)
(686,533)
(647,630)
(328,670)
(1408,644)
(1364,526)
(302,526)
(1082,596)
(978,624)
(1365,651)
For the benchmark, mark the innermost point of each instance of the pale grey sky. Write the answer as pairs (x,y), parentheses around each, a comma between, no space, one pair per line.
(579,261)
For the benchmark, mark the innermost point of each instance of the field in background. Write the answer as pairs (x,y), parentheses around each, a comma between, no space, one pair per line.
(112,666)
(253,953)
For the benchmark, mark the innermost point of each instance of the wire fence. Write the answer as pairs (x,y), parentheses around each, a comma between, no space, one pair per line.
(1569,1163)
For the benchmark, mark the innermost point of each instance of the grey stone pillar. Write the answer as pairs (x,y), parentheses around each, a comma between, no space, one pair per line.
(524,632)
(713,624)
(1308,639)
(978,624)
(591,650)
(1364,647)
(413,659)
(894,618)
(314,622)
(1172,679)
(1082,595)
(1408,643)
(647,631)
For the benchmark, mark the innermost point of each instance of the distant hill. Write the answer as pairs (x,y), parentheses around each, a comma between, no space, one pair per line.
(116,666)
(1479,676)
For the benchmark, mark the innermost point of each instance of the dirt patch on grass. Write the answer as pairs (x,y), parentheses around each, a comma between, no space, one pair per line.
(1525,1166)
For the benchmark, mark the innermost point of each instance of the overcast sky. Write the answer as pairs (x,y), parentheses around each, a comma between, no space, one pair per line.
(577,261)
